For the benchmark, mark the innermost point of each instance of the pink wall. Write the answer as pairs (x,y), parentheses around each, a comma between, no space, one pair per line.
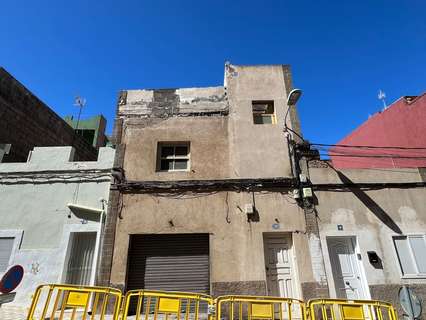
(401,124)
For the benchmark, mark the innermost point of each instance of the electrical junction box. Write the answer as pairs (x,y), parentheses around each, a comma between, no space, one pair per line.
(307,192)
(249,209)
(296,194)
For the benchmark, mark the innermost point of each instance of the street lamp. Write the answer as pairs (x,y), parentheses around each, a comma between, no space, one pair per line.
(292,98)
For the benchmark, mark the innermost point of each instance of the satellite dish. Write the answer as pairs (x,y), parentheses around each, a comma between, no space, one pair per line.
(410,303)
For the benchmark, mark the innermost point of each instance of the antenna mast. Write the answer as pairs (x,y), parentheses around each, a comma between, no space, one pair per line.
(78,102)
(382,96)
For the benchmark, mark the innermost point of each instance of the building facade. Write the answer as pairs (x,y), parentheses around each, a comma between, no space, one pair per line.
(203,195)
(26,122)
(372,209)
(52,212)
(372,225)
(213,194)
(91,129)
(402,125)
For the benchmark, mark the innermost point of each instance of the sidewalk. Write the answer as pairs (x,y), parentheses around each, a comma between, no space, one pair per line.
(13,312)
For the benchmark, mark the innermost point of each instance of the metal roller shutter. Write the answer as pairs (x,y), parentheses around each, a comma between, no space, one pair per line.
(171,262)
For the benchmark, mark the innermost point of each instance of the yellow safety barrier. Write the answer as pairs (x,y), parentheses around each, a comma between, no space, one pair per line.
(156,305)
(337,309)
(60,302)
(67,302)
(255,307)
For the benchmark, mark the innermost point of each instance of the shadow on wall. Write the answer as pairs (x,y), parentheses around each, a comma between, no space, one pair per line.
(369,202)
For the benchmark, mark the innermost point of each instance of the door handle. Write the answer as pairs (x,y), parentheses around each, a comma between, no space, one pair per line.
(349,285)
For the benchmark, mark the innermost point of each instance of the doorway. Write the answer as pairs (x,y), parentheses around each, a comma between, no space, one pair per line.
(79,267)
(279,265)
(347,269)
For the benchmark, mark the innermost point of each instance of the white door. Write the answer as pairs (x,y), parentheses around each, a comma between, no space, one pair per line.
(279,267)
(345,267)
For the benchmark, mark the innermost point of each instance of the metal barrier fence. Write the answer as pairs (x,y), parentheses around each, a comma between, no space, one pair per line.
(337,309)
(67,302)
(160,305)
(255,307)
(61,302)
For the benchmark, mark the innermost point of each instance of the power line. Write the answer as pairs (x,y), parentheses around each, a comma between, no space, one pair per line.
(367,147)
(373,156)
(395,153)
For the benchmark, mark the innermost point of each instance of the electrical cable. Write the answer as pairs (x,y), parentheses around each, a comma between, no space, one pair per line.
(367,147)
(388,156)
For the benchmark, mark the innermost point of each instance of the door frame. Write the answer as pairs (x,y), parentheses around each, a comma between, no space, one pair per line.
(295,272)
(329,269)
(66,243)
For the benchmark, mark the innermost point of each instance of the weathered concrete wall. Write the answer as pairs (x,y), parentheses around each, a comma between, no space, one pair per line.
(257,150)
(34,198)
(224,143)
(162,103)
(236,248)
(26,122)
(373,216)
(208,137)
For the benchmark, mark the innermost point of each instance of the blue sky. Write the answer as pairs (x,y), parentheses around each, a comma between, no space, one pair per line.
(341,52)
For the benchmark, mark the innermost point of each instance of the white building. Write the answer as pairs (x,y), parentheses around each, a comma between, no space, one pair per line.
(51,217)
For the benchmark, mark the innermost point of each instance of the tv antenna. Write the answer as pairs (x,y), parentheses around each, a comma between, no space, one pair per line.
(382,96)
(79,102)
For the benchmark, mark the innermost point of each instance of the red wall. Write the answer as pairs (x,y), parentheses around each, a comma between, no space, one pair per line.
(401,124)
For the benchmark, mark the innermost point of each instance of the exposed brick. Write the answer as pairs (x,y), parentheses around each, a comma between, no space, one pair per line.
(31,123)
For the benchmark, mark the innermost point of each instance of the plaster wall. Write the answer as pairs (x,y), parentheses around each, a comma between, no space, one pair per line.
(224,143)
(257,150)
(208,137)
(236,245)
(34,198)
(373,217)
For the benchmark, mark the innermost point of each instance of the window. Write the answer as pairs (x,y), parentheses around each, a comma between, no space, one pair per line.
(411,252)
(263,112)
(173,156)
(6,246)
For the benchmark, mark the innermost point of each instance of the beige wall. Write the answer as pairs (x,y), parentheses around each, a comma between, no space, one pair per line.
(372,216)
(221,146)
(236,247)
(257,150)
(208,137)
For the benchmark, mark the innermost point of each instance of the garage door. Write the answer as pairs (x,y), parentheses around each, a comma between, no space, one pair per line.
(178,262)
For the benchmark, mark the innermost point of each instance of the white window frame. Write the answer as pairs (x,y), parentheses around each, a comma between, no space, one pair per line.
(173,145)
(417,275)
(17,235)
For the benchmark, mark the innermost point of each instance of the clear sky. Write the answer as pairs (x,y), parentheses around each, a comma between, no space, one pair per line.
(341,52)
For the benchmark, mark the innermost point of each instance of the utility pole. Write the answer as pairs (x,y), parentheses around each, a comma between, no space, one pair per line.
(300,153)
